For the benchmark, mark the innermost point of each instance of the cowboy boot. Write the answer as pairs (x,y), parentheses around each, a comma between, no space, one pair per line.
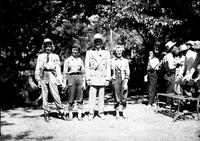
(46,116)
(80,114)
(70,115)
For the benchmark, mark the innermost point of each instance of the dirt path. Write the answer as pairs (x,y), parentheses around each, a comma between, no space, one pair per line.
(142,125)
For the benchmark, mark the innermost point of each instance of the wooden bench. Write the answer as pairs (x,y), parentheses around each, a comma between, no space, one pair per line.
(179,98)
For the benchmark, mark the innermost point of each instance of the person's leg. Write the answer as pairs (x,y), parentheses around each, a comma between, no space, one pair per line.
(79,99)
(170,87)
(115,90)
(101,101)
(44,88)
(92,101)
(152,87)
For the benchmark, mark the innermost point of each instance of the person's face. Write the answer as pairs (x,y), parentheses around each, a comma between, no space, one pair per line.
(151,54)
(118,53)
(98,43)
(75,52)
(174,50)
(48,48)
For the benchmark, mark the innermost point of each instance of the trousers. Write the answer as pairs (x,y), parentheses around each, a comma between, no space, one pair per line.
(53,89)
(93,92)
(152,85)
(75,90)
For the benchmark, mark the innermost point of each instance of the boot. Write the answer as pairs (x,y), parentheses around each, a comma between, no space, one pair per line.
(117,113)
(123,114)
(46,116)
(102,116)
(70,115)
(91,116)
(80,114)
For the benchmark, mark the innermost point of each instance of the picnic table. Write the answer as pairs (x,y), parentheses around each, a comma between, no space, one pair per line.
(180,99)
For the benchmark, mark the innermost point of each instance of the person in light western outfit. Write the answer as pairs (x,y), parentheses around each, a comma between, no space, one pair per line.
(48,75)
(170,64)
(97,71)
(74,78)
(195,67)
(180,70)
(190,57)
(120,74)
(152,68)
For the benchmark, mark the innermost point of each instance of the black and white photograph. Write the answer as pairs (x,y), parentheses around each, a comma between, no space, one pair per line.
(100,70)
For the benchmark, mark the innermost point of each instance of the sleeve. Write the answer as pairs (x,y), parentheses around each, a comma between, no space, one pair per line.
(108,71)
(87,66)
(38,68)
(82,66)
(127,70)
(65,69)
(58,68)
(196,62)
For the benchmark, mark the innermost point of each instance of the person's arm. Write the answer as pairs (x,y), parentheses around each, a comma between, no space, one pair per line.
(83,73)
(87,68)
(39,69)
(108,71)
(127,75)
(65,73)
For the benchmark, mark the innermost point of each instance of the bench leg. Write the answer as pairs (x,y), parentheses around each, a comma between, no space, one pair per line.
(178,112)
(198,106)
(157,107)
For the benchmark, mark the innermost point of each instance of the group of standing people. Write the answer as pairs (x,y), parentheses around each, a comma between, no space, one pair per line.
(181,70)
(97,71)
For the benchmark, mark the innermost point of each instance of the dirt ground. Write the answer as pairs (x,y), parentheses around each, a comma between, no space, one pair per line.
(142,124)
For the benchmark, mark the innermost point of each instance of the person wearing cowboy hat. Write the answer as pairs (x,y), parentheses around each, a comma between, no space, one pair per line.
(190,56)
(97,72)
(48,76)
(180,69)
(120,75)
(195,66)
(169,64)
(74,78)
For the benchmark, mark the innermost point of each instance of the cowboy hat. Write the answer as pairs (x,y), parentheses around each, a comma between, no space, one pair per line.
(183,47)
(190,42)
(99,36)
(48,41)
(196,44)
(169,45)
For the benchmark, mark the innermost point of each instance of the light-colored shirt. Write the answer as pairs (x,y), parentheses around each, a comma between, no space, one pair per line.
(97,67)
(153,64)
(73,65)
(170,61)
(190,58)
(121,64)
(48,71)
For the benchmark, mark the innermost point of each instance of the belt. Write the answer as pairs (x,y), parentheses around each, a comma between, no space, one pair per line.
(49,70)
(76,73)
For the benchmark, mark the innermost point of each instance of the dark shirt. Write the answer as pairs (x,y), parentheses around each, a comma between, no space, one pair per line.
(197,61)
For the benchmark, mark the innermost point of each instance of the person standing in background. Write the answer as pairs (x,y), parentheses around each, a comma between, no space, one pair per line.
(74,79)
(48,76)
(169,64)
(97,70)
(120,75)
(152,68)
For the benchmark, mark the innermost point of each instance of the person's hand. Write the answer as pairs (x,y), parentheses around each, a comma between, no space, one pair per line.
(83,85)
(107,82)
(39,84)
(88,82)
(63,85)
(197,79)
(125,86)
(33,85)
